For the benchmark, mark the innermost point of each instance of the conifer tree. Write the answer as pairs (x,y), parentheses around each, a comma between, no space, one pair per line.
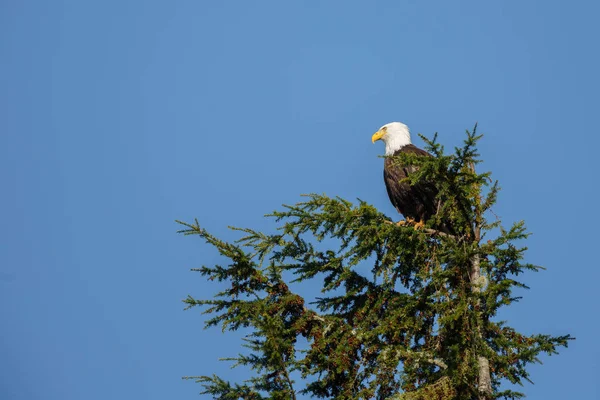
(405,313)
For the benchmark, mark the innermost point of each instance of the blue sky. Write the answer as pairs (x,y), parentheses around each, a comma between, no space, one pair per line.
(119,117)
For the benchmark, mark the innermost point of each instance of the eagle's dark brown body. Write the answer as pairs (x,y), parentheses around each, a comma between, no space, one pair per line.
(417,201)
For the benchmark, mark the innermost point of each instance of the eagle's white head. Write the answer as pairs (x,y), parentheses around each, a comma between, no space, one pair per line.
(395,135)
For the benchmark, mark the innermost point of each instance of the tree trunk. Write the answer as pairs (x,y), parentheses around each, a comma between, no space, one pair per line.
(484,383)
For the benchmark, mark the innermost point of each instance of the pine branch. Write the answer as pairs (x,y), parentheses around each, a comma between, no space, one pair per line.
(428,231)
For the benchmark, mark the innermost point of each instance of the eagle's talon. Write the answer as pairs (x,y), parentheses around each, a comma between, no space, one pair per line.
(419,225)
(404,222)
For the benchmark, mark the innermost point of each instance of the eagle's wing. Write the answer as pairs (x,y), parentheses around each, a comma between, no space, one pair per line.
(415,201)
(393,177)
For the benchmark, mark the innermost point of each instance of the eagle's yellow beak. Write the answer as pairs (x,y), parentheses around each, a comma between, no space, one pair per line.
(377,135)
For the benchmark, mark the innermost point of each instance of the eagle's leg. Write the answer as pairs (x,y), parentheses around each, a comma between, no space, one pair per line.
(419,225)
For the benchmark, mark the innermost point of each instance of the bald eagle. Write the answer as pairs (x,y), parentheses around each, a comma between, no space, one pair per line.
(417,202)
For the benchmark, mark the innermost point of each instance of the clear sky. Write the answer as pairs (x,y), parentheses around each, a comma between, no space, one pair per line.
(117,117)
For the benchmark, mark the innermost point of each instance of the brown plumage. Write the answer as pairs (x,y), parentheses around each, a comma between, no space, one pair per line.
(417,201)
